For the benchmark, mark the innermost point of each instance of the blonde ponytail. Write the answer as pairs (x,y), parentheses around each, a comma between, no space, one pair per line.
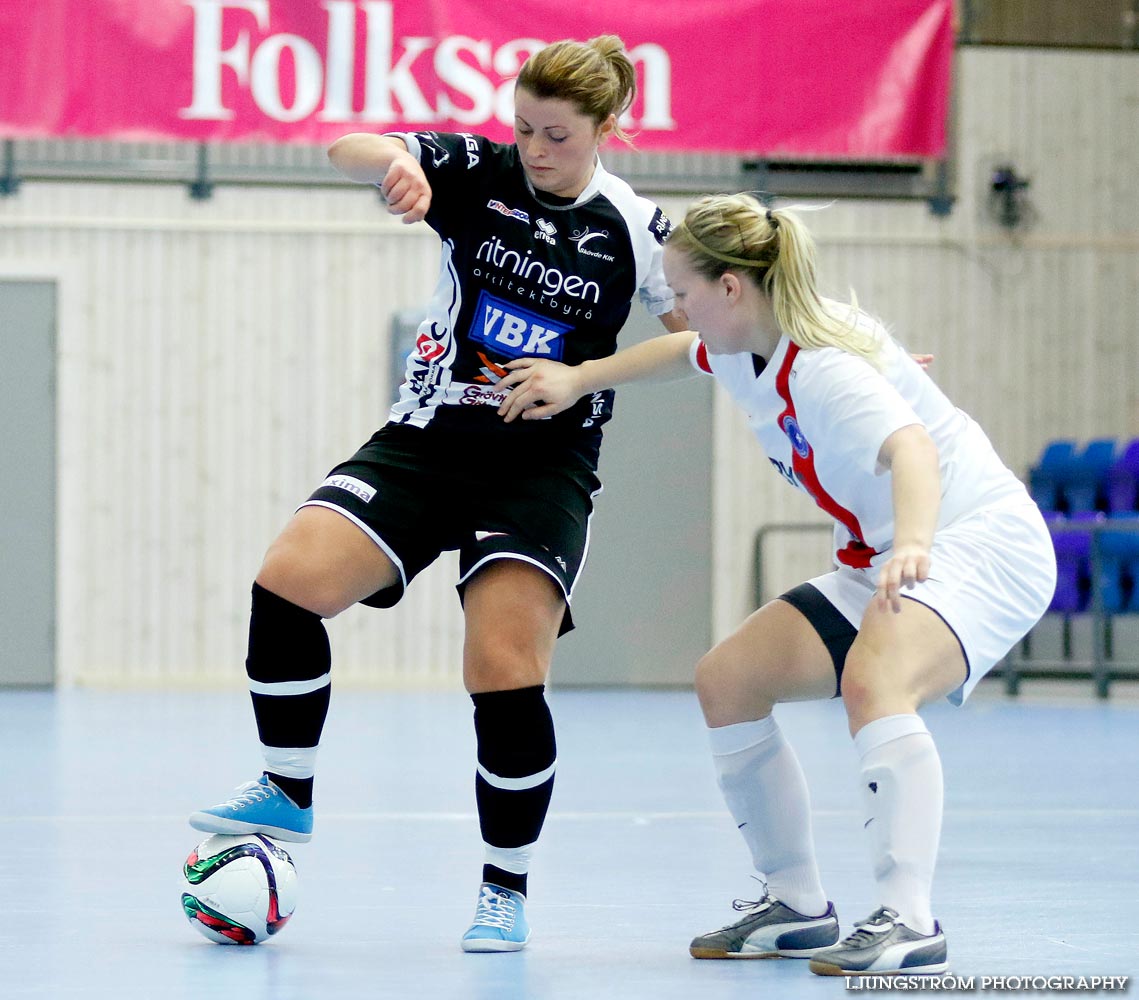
(725,232)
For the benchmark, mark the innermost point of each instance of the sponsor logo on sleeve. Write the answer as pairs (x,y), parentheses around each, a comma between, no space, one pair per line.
(439,153)
(660,226)
(597,406)
(427,348)
(472,145)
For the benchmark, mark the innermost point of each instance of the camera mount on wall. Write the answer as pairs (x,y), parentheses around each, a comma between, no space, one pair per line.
(1007,200)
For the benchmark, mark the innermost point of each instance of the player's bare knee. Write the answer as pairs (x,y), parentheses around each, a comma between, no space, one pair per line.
(709,678)
(725,687)
(502,669)
(501,678)
(299,585)
(861,689)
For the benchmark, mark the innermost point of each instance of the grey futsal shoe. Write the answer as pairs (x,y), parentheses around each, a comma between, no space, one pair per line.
(770,929)
(882,945)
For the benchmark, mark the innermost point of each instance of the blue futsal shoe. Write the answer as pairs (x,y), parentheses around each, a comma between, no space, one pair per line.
(500,921)
(257,807)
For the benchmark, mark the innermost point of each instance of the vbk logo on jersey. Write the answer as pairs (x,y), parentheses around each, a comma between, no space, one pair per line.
(795,436)
(516,332)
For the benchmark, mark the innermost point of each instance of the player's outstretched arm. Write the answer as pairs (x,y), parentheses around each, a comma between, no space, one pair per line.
(541,388)
(385,161)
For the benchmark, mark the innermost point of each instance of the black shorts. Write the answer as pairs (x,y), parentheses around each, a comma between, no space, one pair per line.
(418,492)
(837,633)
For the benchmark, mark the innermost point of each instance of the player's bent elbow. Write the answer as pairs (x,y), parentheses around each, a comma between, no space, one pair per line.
(342,148)
(360,153)
(913,440)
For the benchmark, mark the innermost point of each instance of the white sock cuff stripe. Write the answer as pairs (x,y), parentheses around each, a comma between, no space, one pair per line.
(286,688)
(741,735)
(290,762)
(517,784)
(515,860)
(885,730)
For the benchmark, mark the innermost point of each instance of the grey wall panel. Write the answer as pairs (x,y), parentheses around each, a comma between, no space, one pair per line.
(643,607)
(27,500)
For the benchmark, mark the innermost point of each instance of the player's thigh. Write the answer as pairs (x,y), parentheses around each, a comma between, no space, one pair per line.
(775,655)
(899,662)
(324,562)
(513,611)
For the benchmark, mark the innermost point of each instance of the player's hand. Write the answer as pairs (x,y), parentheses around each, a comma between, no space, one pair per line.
(909,565)
(406,190)
(538,389)
(923,360)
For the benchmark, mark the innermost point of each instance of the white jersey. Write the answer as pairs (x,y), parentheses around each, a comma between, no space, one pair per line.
(822,417)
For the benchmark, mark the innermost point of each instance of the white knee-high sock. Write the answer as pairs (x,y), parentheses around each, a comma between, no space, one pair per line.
(902,793)
(766,793)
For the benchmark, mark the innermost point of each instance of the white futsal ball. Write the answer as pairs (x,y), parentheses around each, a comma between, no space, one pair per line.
(239,889)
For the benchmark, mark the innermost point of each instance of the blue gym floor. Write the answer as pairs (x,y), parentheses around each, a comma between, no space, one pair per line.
(1038,875)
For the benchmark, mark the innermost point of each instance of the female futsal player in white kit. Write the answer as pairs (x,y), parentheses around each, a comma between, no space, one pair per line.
(943,563)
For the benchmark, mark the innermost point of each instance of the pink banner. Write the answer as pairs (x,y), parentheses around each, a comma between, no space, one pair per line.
(857,79)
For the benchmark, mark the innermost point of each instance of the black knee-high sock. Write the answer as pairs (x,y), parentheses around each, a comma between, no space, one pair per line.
(515,778)
(289,682)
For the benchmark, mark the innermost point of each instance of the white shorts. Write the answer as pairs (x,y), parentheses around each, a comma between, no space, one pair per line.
(992,575)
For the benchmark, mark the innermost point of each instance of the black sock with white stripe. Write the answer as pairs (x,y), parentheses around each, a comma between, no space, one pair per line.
(289,681)
(515,778)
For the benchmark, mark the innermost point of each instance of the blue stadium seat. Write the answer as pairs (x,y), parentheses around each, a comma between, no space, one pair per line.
(1073,563)
(1123,481)
(1119,565)
(1046,477)
(1084,479)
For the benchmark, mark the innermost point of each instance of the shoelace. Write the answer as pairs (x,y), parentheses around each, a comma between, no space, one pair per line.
(251,791)
(495,910)
(752,905)
(764,901)
(862,933)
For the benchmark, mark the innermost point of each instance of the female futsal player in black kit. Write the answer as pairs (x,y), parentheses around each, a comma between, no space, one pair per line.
(542,253)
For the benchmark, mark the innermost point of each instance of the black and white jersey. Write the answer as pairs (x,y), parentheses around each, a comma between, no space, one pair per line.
(523,274)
